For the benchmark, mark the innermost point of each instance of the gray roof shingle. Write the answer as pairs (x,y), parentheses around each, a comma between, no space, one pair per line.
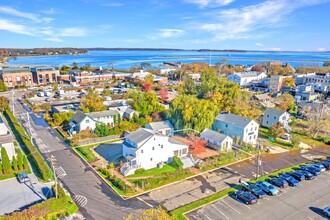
(78,117)
(213,135)
(156,126)
(140,136)
(103,113)
(232,119)
(274,112)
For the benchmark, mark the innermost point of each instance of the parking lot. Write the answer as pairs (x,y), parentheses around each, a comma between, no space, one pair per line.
(16,196)
(303,202)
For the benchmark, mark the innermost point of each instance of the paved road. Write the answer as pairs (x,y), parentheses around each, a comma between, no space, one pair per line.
(303,202)
(102,202)
(16,196)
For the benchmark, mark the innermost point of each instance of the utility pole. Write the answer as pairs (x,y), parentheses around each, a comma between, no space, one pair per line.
(258,160)
(53,162)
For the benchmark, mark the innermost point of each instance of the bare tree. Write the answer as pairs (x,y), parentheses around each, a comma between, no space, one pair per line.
(318,120)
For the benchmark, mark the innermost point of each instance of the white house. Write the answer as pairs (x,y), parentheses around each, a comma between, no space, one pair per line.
(146,148)
(216,140)
(6,140)
(245,78)
(274,116)
(163,127)
(237,127)
(82,121)
(125,111)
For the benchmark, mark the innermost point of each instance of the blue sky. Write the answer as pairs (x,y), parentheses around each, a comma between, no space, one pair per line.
(187,24)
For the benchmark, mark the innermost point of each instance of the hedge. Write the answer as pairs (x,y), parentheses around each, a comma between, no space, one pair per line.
(36,160)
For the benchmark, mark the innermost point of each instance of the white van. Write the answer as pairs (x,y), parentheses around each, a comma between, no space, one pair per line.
(41,94)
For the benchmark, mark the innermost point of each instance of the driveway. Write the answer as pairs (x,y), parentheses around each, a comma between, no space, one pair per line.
(17,196)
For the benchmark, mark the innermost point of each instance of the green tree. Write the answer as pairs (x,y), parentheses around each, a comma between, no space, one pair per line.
(106,92)
(4,103)
(55,87)
(189,86)
(145,102)
(92,102)
(75,66)
(19,159)
(276,130)
(5,161)
(1,171)
(3,87)
(102,130)
(289,81)
(14,164)
(151,214)
(62,117)
(25,163)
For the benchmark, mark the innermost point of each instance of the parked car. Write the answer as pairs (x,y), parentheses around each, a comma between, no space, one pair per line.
(319,165)
(254,189)
(279,182)
(326,164)
(297,175)
(245,197)
(268,188)
(286,136)
(23,177)
(308,175)
(317,168)
(41,94)
(291,181)
(326,211)
(312,170)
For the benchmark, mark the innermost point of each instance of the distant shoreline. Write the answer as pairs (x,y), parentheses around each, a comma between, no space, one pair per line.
(57,55)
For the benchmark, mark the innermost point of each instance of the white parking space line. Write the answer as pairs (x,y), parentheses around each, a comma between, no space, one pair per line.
(247,206)
(310,218)
(230,207)
(267,198)
(259,203)
(206,215)
(219,211)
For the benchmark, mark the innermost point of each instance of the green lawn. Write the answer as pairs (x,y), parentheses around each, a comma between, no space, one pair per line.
(86,153)
(155,171)
(264,133)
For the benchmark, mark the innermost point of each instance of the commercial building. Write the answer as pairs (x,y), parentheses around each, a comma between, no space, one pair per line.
(16,77)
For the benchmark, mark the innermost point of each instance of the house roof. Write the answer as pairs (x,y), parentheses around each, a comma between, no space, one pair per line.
(274,112)
(175,141)
(103,113)
(213,135)
(248,74)
(232,119)
(140,136)
(262,97)
(78,117)
(129,110)
(156,126)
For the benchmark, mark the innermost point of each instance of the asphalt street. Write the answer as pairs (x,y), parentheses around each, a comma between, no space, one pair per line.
(303,202)
(79,179)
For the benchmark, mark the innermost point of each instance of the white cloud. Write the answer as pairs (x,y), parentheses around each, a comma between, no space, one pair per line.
(165,33)
(259,44)
(273,49)
(30,16)
(246,22)
(15,28)
(209,3)
(321,49)
(54,39)
(51,11)
(72,32)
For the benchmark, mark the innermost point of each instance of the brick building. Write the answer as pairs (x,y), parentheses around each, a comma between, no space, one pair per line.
(17,77)
(44,75)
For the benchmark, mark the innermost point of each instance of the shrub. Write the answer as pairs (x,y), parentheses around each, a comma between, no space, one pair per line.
(177,163)
(139,171)
(6,166)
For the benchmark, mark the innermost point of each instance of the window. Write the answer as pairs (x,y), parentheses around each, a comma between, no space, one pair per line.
(250,137)
(267,122)
(150,159)
(87,120)
(153,148)
(246,130)
(251,129)
(267,116)
(161,147)
(255,128)
(254,137)
(274,117)
(226,125)
(141,151)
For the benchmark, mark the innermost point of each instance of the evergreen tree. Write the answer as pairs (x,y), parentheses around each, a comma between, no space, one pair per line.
(1,168)
(19,159)
(5,161)
(102,130)
(14,164)
(25,163)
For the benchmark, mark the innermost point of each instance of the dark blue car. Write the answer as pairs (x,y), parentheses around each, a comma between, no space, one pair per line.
(298,175)
(245,197)
(255,190)
(312,170)
(308,175)
(279,182)
(291,181)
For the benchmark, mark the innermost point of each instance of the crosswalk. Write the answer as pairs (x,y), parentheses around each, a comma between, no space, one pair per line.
(80,200)
(60,172)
